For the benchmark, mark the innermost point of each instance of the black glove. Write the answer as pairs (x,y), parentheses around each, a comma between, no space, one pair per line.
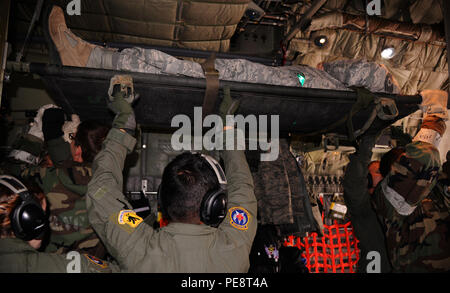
(52,122)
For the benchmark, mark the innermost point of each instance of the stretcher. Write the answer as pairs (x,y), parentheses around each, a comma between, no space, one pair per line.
(301,110)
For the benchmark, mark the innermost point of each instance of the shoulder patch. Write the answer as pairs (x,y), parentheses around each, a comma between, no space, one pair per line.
(130,218)
(96,261)
(100,193)
(239,218)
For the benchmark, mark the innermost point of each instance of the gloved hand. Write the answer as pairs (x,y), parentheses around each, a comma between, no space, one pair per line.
(365,147)
(124,84)
(70,127)
(52,122)
(36,126)
(120,104)
(434,102)
(432,130)
(434,107)
(228,105)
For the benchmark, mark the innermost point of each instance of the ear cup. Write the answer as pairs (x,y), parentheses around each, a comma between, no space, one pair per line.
(28,220)
(213,208)
(161,207)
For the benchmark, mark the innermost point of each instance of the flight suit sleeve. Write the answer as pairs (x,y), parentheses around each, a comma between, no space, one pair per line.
(110,215)
(73,262)
(240,223)
(357,199)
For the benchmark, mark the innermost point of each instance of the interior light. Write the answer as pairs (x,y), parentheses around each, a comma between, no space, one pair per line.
(388,53)
(321,41)
(301,78)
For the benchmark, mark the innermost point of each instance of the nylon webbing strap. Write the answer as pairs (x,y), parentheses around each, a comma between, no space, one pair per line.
(212,85)
(364,100)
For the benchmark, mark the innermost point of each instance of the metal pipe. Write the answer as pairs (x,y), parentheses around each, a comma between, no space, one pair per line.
(274,23)
(190,52)
(36,15)
(305,20)
(287,92)
(274,17)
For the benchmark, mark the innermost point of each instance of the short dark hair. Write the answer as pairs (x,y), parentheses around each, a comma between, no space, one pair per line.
(388,159)
(185,181)
(90,136)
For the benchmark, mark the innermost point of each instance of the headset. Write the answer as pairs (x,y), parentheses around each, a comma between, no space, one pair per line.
(28,219)
(213,207)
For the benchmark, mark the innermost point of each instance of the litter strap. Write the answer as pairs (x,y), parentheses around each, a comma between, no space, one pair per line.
(212,85)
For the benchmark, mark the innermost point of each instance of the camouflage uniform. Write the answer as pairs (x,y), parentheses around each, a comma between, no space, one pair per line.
(282,196)
(369,75)
(361,73)
(69,224)
(64,185)
(417,229)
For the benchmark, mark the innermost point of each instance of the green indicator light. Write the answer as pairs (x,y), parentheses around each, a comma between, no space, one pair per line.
(301,78)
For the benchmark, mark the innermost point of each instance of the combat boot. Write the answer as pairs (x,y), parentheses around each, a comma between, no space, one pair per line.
(72,50)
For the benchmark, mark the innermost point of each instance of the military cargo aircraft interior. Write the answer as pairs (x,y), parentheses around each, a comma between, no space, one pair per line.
(224,136)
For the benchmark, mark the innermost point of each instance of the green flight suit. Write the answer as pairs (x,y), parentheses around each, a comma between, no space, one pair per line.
(177,247)
(17,256)
(364,220)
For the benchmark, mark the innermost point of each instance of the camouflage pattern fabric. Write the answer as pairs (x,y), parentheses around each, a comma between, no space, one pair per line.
(65,187)
(70,228)
(369,75)
(281,194)
(419,241)
(154,61)
(415,174)
(69,224)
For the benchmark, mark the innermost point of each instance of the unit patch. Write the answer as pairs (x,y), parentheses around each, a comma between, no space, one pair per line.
(130,218)
(239,218)
(96,261)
